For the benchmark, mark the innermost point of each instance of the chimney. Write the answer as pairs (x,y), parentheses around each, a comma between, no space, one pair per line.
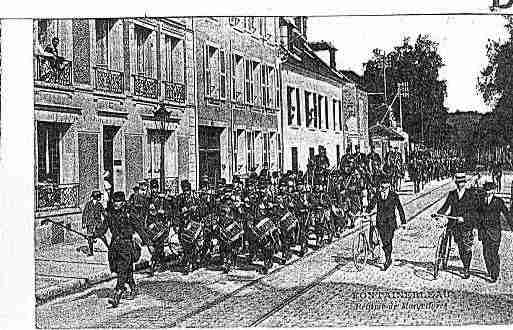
(300,23)
(333,63)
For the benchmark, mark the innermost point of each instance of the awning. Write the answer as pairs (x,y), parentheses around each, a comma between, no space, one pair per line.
(379,130)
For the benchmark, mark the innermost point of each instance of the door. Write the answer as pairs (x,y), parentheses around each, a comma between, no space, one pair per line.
(109,133)
(210,153)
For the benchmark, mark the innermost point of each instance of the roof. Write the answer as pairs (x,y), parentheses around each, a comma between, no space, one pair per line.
(385,132)
(321,45)
(354,77)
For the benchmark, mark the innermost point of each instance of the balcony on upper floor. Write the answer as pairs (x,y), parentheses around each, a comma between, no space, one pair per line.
(174,92)
(146,87)
(53,70)
(110,81)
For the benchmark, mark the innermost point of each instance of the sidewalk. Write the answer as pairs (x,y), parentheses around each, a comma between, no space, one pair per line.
(65,268)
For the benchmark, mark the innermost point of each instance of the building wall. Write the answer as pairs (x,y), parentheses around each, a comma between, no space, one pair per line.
(300,136)
(235,114)
(84,111)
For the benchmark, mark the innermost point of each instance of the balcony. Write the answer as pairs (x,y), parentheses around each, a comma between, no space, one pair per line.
(55,197)
(146,87)
(174,92)
(171,184)
(110,81)
(54,71)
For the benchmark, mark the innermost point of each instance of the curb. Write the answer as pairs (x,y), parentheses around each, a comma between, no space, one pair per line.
(51,292)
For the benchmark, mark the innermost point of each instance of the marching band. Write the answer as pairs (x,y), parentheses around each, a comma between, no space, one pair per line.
(267,216)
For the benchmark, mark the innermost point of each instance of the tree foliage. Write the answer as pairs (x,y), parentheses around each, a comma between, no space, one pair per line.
(495,84)
(417,64)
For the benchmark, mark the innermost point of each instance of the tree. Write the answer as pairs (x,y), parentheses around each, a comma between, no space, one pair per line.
(495,84)
(417,64)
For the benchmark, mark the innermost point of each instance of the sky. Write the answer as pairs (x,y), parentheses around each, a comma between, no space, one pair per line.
(462,45)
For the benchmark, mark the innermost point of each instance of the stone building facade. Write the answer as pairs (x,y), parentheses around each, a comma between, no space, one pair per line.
(238,95)
(94,110)
(314,112)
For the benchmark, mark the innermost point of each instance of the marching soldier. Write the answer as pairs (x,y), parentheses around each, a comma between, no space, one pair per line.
(387,201)
(92,218)
(138,202)
(489,229)
(157,227)
(462,205)
(123,252)
(188,226)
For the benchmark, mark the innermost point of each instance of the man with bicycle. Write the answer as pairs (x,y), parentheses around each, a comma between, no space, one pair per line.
(387,201)
(463,208)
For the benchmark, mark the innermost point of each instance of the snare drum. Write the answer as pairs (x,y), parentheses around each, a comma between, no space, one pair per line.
(232,232)
(265,228)
(192,232)
(288,222)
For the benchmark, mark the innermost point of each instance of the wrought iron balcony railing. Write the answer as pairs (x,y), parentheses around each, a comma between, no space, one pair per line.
(171,184)
(174,92)
(53,70)
(107,80)
(56,196)
(146,87)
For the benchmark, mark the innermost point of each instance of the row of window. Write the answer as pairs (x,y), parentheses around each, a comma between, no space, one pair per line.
(109,47)
(258,143)
(317,112)
(252,82)
(260,26)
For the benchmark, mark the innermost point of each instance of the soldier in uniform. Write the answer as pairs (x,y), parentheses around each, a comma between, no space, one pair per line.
(92,218)
(187,206)
(122,250)
(138,202)
(157,227)
(373,159)
(154,190)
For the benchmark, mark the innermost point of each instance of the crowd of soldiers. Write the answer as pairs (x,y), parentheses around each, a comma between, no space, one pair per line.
(425,166)
(268,216)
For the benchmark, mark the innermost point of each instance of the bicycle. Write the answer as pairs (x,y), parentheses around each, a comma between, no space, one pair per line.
(443,247)
(362,243)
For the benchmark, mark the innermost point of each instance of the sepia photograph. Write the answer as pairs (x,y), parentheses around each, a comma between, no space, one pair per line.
(273,171)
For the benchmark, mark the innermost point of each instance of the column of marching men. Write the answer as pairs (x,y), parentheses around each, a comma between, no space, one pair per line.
(264,218)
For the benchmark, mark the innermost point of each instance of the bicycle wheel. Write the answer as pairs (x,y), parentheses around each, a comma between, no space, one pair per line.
(360,251)
(376,250)
(439,256)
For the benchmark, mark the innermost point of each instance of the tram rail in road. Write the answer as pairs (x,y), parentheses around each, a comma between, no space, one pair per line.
(319,279)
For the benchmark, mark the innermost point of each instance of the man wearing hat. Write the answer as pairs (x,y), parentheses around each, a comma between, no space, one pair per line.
(387,201)
(463,205)
(138,202)
(92,218)
(154,190)
(123,252)
(489,228)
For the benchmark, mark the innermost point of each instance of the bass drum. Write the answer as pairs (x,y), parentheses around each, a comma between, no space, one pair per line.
(264,229)
(288,222)
(192,233)
(231,233)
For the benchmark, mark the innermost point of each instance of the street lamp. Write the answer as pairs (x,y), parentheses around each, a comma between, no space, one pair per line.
(162,120)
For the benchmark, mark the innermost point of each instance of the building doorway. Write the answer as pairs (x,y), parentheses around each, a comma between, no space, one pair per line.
(210,152)
(109,133)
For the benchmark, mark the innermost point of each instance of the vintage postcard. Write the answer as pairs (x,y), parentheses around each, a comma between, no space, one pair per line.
(273,171)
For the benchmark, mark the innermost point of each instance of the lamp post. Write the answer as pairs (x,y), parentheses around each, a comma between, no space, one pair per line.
(162,121)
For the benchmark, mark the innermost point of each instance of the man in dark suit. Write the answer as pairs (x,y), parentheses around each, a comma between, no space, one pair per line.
(387,202)
(489,228)
(463,205)
(92,218)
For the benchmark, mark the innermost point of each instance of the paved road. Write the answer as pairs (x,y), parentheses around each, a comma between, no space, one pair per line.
(321,289)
